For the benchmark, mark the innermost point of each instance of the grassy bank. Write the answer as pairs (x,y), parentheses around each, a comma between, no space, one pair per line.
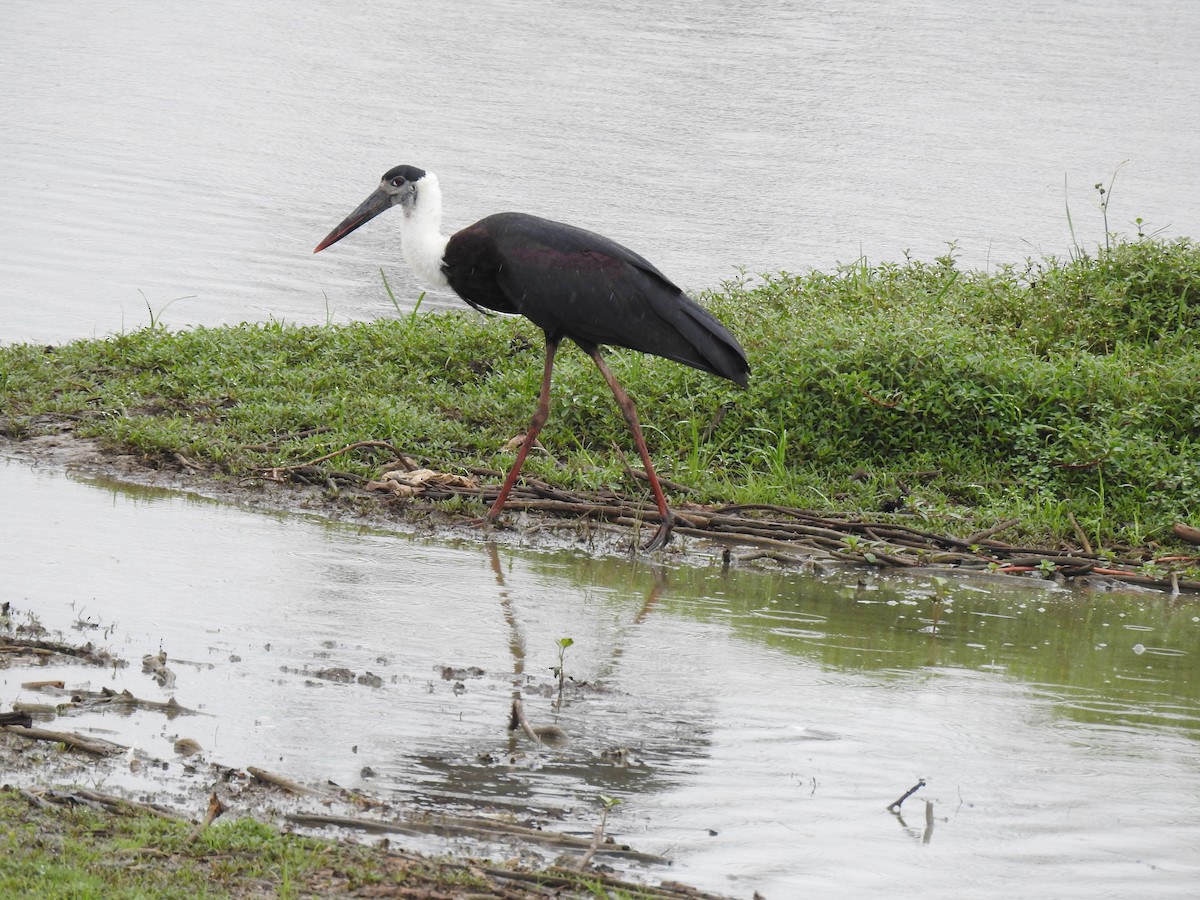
(70,849)
(1049,392)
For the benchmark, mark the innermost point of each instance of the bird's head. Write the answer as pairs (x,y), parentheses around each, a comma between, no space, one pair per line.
(398,187)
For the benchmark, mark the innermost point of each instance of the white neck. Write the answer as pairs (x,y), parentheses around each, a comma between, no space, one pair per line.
(421,232)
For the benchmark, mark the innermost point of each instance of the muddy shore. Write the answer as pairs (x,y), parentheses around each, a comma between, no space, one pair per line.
(546,518)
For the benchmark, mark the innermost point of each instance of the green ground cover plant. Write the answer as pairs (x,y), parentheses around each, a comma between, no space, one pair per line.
(1059,392)
(51,850)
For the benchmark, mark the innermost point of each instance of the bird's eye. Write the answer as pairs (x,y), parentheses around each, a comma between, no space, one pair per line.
(398,181)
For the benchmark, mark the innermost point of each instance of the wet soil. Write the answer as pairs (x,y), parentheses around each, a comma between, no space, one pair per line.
(61,449)
(48,762)
(549,519)
(48,766)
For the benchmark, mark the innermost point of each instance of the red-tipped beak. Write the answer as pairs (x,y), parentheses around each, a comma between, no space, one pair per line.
(367,210)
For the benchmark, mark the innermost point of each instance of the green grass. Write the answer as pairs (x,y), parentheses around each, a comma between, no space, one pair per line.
(84,853)
(77,852)
(1046,391)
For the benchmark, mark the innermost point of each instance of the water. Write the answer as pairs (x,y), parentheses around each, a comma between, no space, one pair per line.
(181,163)
(769,717)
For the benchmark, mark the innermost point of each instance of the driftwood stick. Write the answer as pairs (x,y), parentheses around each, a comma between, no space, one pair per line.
(640,475)
(121,804)
(550,879)
(292,787)
(1083,541)
(1186,533)
(994,530)
(459,825)
(357,445)
(86,653)
(215,808)
(519,718)
(891,559)
(318,820)
(33,798)
(290,436)
(753,541)
(895,805)
(95,746)
(785,559)
(597,837)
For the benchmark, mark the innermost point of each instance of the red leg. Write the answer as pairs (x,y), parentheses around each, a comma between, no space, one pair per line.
(664,530)
(535,425)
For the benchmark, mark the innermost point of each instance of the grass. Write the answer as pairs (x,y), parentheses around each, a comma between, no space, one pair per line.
(1051,391)
(78,852)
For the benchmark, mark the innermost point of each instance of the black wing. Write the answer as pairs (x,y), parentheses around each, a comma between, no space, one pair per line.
(578,284)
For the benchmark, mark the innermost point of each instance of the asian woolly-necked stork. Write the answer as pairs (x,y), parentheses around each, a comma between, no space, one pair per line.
(569,282)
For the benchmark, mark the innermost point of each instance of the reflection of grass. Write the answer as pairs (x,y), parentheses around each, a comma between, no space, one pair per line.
(1041,392)
(910,627)
(1065,642)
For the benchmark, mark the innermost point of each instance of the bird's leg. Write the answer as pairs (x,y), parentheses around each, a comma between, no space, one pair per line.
(535,425)
(623,400)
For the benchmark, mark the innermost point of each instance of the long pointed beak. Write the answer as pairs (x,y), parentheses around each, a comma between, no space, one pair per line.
(367,210)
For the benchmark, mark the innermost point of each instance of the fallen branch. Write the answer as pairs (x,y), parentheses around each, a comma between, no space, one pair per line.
(768,526)
(456,826)
(1186,533)
(33,798)
(279,781)
(895,805)
(785,559)
(376,826)
(598,833)
(109,697)
(518,718)
(122,804)
(276,471)
(291,436)
(215,808)
(71,741)
(1083,541)
(990,532)
(87,653)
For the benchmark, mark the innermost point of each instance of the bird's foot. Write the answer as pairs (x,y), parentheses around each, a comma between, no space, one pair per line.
(661,537)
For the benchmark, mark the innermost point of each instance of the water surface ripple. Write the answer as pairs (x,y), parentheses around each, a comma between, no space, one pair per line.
(754,724)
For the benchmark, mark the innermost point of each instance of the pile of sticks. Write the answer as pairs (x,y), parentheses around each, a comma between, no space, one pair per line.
(780,532)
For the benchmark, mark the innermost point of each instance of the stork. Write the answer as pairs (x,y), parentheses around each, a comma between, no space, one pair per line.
(569,282)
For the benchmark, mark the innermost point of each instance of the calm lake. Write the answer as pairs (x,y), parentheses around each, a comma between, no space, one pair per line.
(184,161)
(180,163)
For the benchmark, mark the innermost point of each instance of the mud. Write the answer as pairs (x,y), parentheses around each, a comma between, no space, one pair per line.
(44,755)
(63,450)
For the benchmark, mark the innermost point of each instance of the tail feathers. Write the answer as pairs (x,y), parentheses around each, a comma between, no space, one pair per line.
(718,350)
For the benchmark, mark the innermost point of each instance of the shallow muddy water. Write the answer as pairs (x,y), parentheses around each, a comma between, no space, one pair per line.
(754,724)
